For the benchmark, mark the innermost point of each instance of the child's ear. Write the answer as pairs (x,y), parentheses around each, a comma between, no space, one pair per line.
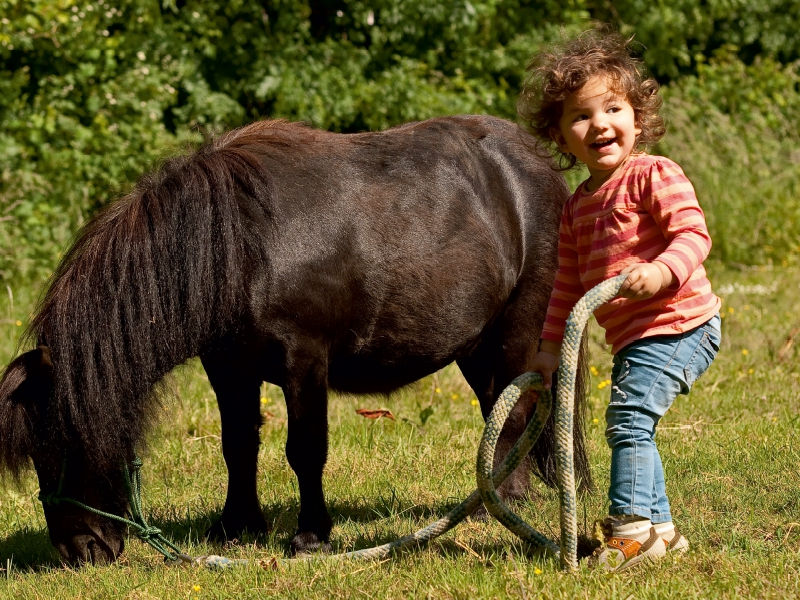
(558,138)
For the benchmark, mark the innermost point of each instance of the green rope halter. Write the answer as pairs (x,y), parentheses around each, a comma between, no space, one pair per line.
(137,523)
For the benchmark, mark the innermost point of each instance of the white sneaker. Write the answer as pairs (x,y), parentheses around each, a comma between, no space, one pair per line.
(628,542)
(673,539)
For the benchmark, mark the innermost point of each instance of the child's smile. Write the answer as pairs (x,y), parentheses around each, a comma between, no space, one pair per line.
(598,126)
(603,143)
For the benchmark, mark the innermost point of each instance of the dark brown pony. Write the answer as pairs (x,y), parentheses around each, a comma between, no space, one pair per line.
(286,254)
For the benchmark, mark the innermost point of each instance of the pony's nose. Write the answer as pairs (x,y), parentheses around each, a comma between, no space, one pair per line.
(91,549)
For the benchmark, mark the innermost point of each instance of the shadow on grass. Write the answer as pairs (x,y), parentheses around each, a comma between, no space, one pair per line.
(378,509)
(28,549)
(282,519)
(31,549)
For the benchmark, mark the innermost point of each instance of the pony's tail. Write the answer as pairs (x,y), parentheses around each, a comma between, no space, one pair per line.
(25,388)
(583,471)
(148,283)
(544,451)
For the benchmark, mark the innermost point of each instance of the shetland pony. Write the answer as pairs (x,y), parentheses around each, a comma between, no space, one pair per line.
(308,259)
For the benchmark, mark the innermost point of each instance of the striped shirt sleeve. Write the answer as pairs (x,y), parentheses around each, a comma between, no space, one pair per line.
(670,198)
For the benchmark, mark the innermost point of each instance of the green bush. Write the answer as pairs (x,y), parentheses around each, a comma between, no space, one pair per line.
(680,34)
(92,93)
(734,130)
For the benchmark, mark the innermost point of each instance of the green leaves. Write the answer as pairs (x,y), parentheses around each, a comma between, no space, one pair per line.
(679,34)
(93,92)
(734,129)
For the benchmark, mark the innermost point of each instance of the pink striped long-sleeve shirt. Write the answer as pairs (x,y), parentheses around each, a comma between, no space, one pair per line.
(646,211)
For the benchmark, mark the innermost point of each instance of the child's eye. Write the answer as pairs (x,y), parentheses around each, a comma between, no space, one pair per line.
(579,118)
(614,109)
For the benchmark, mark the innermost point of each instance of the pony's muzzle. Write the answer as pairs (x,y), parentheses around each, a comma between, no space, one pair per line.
(100,544)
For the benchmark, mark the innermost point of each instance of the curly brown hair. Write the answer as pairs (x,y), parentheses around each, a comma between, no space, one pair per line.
(554,75)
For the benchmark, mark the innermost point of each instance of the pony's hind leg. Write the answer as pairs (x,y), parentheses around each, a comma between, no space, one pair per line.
(306,395)
(487,370)
(238,400)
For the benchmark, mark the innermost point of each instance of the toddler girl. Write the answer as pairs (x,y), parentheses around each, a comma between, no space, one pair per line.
(635,214)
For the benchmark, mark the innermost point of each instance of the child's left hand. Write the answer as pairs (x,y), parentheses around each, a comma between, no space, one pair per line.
(645,280)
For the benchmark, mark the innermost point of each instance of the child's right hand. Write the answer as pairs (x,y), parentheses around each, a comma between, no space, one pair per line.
(546,362)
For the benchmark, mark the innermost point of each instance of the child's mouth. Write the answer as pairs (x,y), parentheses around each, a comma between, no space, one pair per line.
(603,144)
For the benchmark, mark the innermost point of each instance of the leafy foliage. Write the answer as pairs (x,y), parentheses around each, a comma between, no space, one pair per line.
(680,34)
(734,129)
(93,92)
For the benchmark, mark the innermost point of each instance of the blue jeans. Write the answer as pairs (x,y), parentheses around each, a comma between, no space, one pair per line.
(648,375)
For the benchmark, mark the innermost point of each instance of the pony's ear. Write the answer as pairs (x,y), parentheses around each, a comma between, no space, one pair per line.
(25,389)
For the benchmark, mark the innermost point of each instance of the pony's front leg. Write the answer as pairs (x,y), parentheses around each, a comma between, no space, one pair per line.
(238,400)
(307,449)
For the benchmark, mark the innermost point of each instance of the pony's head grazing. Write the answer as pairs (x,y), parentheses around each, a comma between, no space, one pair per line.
(26,394)
(147,284)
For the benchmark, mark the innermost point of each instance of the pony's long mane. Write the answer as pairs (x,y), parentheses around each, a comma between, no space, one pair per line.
(148,282)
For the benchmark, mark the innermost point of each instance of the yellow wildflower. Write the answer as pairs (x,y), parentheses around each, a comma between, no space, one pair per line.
(454,397)
(196,588)
(18,323)
(594,370)
(438,390)
(264,400)
(745,351)
(730,309)
(474,402)
(595,420)
(751,371)
(537,571)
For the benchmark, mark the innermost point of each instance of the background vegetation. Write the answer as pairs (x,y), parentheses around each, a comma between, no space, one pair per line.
(92,93)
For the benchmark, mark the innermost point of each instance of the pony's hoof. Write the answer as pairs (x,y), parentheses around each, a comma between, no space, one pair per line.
(587,546)
(480,514)
(307,542)
(225,530)
(90,550)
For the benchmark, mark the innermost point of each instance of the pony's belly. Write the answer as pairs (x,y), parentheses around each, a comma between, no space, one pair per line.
(370,375)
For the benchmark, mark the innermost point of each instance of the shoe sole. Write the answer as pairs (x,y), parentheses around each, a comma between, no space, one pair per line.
(651,550)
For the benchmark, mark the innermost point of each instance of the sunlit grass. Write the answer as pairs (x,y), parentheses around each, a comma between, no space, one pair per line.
(729,449)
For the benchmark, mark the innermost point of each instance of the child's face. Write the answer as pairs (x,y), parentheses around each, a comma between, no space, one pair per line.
(599,127)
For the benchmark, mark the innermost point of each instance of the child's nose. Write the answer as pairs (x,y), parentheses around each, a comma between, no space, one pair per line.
(600,123)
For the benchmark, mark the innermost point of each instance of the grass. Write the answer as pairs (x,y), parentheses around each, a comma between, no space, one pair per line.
(729,449)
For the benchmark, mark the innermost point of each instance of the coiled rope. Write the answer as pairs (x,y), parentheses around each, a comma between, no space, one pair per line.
(487,479)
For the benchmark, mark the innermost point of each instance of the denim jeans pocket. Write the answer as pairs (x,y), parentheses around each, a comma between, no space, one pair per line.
(701,359)
(714,338)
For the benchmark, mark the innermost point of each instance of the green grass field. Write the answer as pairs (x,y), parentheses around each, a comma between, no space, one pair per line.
(729,450)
